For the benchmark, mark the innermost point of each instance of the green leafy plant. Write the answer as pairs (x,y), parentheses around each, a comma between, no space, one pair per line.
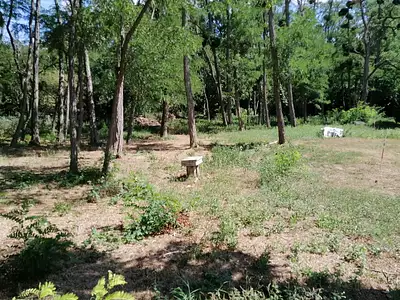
(227,233)
(102,291)
(45,245)
(150,212)
(280,165)
(62,208)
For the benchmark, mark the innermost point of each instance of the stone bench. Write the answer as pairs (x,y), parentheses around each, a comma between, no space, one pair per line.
(192,165)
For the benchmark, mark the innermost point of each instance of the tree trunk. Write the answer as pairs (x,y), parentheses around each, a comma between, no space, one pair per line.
(228,71)
(207,105)
(73,166)
(365,77)
(267,119)
(367,48)
(81,88)
(164,120)
(305,110)
(189,93)
(115,140)
(94,134)
(131,121)
(23,77)
(237,104)
(67,111)
(219,86)
(61,85)
(275,71)
(35,140)
(292,113)
(61,98)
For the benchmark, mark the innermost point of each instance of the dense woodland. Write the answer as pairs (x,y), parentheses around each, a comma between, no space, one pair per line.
(80,67)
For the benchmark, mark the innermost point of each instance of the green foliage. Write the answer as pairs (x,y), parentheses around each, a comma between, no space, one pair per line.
(7,126)
(227,233)
(44,244)
(151,212)
(363,113)
(102,291)
(107,237)
(280,165)
(62,208)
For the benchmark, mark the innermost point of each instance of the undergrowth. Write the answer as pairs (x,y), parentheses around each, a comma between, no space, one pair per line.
(45,246)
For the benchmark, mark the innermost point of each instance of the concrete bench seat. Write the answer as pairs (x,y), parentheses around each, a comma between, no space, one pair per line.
(192,165)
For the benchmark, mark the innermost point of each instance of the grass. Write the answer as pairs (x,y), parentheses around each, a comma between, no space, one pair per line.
(268,198)
(258,134)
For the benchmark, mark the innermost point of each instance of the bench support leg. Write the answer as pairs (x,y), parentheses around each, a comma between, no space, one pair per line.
(193,171)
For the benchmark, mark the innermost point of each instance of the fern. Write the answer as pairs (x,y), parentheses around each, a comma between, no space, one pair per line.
(115,280)
(119,296)
(46,290)
(99,291)
(68,296)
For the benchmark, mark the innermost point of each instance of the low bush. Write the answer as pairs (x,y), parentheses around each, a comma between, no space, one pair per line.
(279,165)
(150,211)
(7,126)
(363,113)
(45,246)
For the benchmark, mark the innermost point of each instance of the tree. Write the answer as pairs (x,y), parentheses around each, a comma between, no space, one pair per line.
(189,93)
(275,75)
(115,135)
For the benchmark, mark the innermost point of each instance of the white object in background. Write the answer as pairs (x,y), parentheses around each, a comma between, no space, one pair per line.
(332,132)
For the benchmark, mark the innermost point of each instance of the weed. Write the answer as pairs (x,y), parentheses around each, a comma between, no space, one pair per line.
(227,234)
(45,246)
(281,165)
(62,208)
(152,212)
(107,237)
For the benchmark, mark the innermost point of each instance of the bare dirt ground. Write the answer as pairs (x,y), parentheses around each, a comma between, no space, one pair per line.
(166,261)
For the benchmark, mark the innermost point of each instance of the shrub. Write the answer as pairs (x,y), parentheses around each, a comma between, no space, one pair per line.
(280,165)
(102,291)
(152,211)
(364,113)
(44,244)
(7,126)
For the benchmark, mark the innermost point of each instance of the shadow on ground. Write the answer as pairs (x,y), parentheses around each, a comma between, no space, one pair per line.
(21,177)
(184,265)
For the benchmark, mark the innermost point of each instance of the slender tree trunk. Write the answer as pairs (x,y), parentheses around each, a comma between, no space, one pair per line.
(228,72)
(115,140)
(35,140)
(189,93)
(61,98)
(164,119)
(365,77)
(275,70)
(73,166)
(367,48)
(219,86)
(131,121)
(207,105)
(264,79)
(61,85)
(25,78)
(237,104)
(305,110)
(67,111)
(81,88)
(94,134)
(292,112)
(265,97)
